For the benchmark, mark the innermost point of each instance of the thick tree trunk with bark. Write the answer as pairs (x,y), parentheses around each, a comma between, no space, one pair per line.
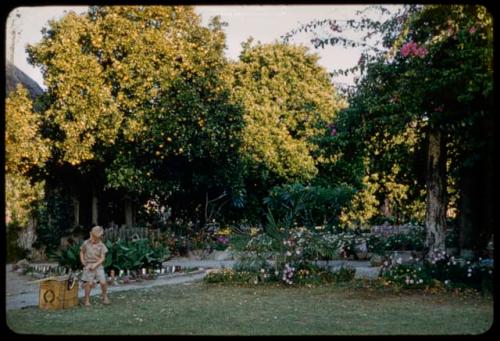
(435,215)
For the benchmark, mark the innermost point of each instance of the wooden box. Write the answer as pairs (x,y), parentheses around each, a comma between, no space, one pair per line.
(55,294)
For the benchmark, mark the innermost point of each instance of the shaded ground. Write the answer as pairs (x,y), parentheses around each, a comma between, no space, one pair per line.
(198,308)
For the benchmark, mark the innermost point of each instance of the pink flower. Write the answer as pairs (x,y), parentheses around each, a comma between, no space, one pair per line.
(408,48)
(421,52)
(472,30)
(412,49)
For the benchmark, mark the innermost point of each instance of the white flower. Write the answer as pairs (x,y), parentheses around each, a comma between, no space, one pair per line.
(411,281)
(297,252)
(490,272)
(276,272)
(447,282)
(398,260)
(262,270)
(288,253)
(386,263)
(420,281)
(469,275)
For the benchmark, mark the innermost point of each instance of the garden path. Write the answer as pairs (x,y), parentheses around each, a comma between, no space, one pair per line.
(21,293)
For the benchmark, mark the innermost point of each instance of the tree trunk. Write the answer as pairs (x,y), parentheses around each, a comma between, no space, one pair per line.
(128,213)
(76,210)
(435,215)
(94,209)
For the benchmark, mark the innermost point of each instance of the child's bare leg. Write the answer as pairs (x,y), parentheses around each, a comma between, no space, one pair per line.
(104,290)
(87,287)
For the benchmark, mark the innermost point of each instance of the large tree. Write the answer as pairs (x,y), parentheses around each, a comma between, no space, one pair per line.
(25,150)
(288,101)
(140,96)
(433,77)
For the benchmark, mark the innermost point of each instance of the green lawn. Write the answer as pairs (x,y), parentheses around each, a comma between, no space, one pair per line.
(208,309)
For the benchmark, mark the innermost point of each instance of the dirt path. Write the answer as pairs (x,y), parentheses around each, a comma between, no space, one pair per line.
(21,292)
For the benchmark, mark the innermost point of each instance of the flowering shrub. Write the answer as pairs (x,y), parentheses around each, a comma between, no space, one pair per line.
(412,240)
(404,241)
(178,244)
(304,275)
(231,276)
(288,254)
(221,243)
(412,49)
(440,268)
(313,274)
(406,275)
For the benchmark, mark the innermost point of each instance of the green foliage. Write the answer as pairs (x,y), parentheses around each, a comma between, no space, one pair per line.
(376,244)
(25,151)
(307,274)
(122,255)
(239,241)
(434,72)
(21,196)
(288,98)
(24,146)
(135,254)
(14,252)
(69,257)
(413,240)
(308,206)
(219,243)
(143,90)
(441,268)
(229,276)
(54,215)
(310,274)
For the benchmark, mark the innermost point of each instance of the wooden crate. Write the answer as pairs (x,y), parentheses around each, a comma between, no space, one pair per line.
(54,294)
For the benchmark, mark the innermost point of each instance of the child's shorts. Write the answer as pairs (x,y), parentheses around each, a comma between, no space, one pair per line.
(97,274)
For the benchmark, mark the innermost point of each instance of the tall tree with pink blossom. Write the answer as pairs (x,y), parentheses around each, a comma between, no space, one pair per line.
(434,77)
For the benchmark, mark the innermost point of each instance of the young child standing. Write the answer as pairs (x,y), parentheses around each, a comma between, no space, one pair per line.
(92,255)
